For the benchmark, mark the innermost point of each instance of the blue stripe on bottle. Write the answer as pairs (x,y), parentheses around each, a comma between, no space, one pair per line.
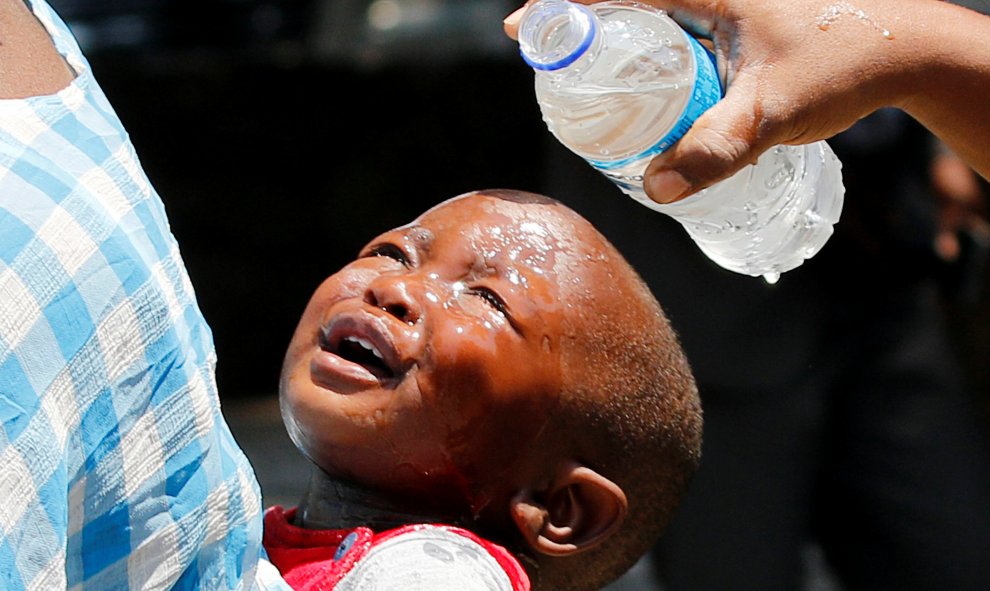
(706,92)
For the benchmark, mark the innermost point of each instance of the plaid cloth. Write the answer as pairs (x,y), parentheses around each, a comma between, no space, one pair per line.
(117,470)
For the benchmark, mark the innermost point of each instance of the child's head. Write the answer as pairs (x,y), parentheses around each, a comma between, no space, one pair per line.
(499,358)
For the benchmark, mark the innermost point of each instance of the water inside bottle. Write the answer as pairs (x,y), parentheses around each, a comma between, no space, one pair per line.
(613,106)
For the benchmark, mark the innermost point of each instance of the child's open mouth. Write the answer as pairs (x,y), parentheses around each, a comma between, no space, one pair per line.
(364,353)
(357,351)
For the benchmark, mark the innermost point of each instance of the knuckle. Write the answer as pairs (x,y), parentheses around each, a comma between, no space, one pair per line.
(718,149)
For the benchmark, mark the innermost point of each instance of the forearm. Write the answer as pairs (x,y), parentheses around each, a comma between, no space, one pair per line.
(947,85)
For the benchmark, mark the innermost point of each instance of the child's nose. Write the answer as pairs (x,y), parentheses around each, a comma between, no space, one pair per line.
(392,294)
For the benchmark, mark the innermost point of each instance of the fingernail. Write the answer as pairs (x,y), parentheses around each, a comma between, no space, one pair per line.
(513,19)
(666,186)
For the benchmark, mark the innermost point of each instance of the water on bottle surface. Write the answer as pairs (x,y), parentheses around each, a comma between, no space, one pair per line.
(787,216)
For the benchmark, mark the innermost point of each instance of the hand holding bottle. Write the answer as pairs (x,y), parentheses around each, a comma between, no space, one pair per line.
(620,82)
(804,70)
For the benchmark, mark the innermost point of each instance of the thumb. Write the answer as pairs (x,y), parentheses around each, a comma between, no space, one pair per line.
(723,140)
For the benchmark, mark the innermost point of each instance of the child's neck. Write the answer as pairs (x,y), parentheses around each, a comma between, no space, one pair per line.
(336,504)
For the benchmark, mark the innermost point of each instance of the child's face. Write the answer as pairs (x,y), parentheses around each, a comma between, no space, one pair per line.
(429,365)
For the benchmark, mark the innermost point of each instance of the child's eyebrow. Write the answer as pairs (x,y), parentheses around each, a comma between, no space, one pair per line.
(420,239)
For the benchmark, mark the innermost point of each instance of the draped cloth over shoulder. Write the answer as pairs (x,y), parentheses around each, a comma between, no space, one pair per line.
(117,470)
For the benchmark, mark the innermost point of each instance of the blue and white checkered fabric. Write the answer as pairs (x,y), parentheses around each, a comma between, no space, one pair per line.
(117,470)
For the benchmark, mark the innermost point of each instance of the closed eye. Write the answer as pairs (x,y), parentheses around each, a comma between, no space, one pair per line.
(389,251)
(492,299)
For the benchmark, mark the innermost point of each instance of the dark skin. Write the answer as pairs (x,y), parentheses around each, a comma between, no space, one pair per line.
(425,367)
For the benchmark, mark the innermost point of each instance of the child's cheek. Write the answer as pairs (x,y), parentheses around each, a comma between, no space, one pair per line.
(350,282)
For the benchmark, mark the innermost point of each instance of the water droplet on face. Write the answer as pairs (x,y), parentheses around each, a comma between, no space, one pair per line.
(771,277)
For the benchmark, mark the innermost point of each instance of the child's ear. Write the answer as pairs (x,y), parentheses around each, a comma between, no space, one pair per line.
(580,509)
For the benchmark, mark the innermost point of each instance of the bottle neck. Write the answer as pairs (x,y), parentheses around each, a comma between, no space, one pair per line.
(555,34)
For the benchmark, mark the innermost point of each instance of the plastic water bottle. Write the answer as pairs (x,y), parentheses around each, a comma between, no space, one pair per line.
(620,82)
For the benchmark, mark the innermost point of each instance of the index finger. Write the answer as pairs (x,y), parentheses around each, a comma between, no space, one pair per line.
(511,22)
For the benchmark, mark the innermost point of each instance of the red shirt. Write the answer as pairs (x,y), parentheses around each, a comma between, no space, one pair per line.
(423,556)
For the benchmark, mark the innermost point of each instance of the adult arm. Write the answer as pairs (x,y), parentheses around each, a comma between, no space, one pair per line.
(804,70)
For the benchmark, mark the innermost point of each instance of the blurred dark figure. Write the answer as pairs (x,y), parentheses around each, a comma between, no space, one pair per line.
(836,409)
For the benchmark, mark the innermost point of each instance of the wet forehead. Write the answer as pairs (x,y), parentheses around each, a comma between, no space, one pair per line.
(508,235)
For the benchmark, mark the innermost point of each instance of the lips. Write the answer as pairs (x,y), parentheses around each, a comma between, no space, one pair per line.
(356,351)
